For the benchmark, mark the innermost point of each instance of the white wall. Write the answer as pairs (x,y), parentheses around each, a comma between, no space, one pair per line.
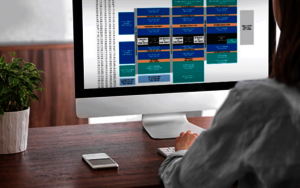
(35,21)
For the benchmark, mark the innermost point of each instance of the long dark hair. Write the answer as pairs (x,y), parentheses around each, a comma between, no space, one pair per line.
(286,63)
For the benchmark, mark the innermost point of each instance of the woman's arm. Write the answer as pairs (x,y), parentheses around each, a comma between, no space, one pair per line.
(216,157)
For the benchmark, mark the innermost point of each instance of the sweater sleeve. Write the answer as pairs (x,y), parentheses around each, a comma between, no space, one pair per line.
(216,157)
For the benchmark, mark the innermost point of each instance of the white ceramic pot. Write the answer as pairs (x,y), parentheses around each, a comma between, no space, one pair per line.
(14,132)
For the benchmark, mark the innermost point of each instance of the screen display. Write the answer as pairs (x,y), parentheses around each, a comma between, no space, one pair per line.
(97,162)
(130,43)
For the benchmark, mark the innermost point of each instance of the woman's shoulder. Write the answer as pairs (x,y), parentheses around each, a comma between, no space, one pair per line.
(260,83)
(260,89)
(266,95)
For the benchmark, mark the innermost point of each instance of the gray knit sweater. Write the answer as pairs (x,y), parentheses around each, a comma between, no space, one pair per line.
(254,138)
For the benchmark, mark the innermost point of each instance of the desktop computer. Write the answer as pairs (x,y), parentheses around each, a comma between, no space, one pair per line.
(162,58)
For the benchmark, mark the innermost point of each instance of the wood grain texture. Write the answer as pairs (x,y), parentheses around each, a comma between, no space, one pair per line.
(53,157)
(57,104)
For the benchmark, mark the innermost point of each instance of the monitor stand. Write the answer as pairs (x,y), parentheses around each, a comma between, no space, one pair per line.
(166,126)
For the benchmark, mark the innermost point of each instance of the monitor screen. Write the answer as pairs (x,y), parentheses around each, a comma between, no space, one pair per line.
(163,56)
(171,44)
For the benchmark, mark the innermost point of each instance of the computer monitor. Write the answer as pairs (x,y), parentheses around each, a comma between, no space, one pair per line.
(162,58)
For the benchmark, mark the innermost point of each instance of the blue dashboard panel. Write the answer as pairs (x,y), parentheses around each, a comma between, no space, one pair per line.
(127,82)
(153,11)
(154,21)
(153,47)
(188,20)
(153,55)
(188,54)
(221,19)
(188,30)
(231,29)
(150,32)
(187,11)
(127,52)
(221,47)
(221,10)
(126,23)
(154,78)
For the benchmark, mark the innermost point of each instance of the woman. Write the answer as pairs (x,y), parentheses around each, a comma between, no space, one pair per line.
(255,135)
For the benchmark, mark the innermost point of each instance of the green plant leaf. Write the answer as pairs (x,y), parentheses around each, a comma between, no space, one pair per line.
(2,59)
(28,65)
(6,90)
(39,88)
(41,71)
(19,101)
(1,89)
(3,75)
(34,97)
(19,80)
(15,82)
(10,80)
(3,65)
(1,111)
(12,54)
(28,102)
(19,60)
(36,79)
(5,97)
(35,83)
(22,93)
(9,66)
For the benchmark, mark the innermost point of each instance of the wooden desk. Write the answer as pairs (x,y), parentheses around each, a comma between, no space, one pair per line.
(54,157)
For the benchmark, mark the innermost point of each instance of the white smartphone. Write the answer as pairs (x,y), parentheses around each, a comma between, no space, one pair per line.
(99,160)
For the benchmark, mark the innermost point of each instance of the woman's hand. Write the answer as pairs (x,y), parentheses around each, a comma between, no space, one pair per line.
(185,140)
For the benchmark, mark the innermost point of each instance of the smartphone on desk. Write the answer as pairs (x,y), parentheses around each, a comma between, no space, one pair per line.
(99,160)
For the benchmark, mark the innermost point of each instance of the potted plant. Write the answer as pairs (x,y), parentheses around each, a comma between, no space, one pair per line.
(18,82)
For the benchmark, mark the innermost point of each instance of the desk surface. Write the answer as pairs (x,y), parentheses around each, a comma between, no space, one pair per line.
(54,157)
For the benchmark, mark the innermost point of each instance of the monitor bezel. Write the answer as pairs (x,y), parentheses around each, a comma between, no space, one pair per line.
(80,92)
